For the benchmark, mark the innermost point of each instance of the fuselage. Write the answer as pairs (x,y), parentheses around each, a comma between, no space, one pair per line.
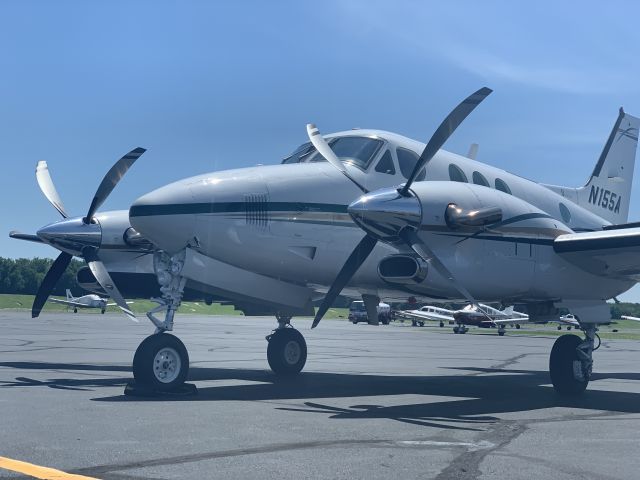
(290,222)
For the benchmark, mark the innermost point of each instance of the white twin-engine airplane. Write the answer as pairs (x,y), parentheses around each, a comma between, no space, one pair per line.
(369,213)
(85,301)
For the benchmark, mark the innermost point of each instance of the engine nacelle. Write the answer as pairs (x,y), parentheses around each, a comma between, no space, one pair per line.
(456,216)
(402,269)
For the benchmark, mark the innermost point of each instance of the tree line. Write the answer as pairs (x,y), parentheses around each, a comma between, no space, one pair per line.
(24,275)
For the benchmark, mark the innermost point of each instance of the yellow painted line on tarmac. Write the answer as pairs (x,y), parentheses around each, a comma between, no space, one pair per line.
(36,471)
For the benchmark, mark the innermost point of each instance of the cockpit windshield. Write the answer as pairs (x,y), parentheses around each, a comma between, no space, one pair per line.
(359,151)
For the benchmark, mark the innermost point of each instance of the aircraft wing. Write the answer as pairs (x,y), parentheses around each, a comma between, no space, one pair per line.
(430,316)
(627,317)
(115,304)
(67,302)
(608,253)
(510,321)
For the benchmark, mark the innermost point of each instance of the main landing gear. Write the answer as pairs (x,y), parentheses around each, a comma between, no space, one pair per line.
(460,329)
(287,349)
(571,361)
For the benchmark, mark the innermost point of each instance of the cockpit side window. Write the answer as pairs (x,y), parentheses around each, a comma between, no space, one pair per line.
(359,151)
(300,154)
(407,160)
(385,165)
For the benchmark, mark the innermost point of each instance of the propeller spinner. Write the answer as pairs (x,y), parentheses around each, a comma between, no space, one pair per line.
(393,214)
(77,236)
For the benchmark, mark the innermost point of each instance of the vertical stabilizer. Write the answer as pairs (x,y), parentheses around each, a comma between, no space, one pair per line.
(608,191)
(69,296)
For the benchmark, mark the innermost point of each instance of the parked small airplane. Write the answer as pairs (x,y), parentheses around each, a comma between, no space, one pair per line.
(85,301)
(351,213)
(480,315)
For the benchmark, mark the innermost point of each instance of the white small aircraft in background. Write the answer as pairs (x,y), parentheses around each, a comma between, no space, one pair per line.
(85,301)
(482,316)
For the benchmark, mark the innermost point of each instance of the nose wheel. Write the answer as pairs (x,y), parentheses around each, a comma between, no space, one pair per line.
(161,362)
(286,351)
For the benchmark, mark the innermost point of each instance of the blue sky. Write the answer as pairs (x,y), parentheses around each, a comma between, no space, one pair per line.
(215,85)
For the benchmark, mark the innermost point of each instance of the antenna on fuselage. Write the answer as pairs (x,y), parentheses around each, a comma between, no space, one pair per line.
(473,151)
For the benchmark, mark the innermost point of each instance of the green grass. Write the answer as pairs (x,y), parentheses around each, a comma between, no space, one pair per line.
(24,302)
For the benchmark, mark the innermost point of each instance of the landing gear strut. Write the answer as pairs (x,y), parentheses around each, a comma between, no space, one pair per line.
(287,349)
(571,361)
(161,362)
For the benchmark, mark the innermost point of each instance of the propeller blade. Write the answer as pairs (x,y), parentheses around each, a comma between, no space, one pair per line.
(48,188)
(25,236)
(350,267)
(111,179)
(49,282)
(444,131)
(424,252)
(104,279)
(323,147)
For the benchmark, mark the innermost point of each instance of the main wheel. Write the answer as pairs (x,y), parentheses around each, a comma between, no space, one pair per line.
(456,329)
(161,362)
(562,363)
(517,326)
(286,351)
(75,310)
(501,333)
(441,324)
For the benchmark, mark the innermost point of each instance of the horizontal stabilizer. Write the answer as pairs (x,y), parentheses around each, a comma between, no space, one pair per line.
(608,253)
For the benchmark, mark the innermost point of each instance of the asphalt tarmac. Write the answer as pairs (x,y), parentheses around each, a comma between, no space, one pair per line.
(372,403)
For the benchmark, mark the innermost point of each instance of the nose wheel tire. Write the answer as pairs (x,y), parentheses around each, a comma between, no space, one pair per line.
(286,351)
(161,362)
(563,363)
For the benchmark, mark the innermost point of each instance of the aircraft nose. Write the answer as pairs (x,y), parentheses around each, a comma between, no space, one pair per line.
(166,217)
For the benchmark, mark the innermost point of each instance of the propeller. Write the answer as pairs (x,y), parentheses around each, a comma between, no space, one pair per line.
(444,131)
(79,236)
(323,147)
(49,281)
(392,215)
(350,267)
(48,188)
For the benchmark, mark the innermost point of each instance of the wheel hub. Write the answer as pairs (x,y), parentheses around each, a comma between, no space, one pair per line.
(167,365)
(292,352)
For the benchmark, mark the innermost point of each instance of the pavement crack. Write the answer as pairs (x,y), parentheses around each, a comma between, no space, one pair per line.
(466,466)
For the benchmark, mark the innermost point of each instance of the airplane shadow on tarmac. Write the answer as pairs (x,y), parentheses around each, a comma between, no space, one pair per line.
(477,396)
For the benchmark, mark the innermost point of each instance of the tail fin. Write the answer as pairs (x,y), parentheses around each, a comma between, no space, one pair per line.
(608,191)
(508,310)
(69,296)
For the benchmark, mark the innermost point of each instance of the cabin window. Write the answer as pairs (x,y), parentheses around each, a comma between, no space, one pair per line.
(385,165)
(502,186)
(564,213)
(479,179)
(407,160)
(456,174)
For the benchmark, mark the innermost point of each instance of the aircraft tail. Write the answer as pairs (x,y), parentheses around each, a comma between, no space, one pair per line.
(69,296)
(608,191)
(508,310)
